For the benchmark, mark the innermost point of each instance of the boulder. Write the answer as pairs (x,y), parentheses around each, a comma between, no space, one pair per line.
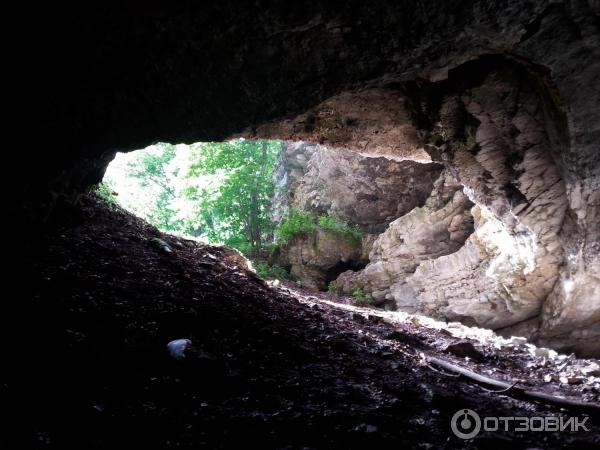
(317,258)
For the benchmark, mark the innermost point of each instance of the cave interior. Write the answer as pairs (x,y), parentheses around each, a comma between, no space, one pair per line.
(483,112)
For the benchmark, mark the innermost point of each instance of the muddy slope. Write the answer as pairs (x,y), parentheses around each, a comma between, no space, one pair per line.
(85,363)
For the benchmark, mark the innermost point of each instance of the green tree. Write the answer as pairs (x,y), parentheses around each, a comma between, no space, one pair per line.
(153,167)
(236,211)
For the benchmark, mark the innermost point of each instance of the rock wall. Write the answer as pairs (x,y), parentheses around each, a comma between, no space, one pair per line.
(439,227)
(368,191)
(315,258)
(373,121)
(291,166)
(505,141)
(504,240)
(365,191)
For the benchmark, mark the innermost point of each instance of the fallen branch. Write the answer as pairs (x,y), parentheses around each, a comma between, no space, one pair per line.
(446,374)
(499,391)
(516,392)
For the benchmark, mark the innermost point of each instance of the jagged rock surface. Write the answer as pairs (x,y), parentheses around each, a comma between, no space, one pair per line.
(314,257)
(438,228)
(512,168)
(367,191)
(291,166)
(531,265)
(374,121)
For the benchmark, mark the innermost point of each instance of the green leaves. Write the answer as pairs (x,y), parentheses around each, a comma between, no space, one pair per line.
(296,222)
(239,206)
(300,222)
(332,223)
(334,289)
(361,298)
(218,190)
(271,271)
(106,193)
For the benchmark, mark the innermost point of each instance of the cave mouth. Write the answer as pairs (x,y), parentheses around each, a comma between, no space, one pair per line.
(100,302)
(342,266)
(214,192)
(226,193)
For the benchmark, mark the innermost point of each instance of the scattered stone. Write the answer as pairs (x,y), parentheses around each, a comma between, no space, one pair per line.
(517,341)
(161,245)
(178,347)
(415,321)
(542,352)
(571,380)
(591,369)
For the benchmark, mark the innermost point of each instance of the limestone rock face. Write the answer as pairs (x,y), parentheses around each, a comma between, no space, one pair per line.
(316,258)
(530,265)
(372,121)
(438,228)
(290,167)
(542,254)
(487,282)
(367,191)
(571,314)
(498,139)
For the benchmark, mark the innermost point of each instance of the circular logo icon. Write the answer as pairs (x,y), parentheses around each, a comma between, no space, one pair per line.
(465,423)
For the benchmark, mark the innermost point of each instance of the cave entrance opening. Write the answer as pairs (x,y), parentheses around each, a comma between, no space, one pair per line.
(224,193)
(214,192)
(343,266)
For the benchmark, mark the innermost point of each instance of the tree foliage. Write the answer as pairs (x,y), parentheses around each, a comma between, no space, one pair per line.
(271,271)
(236,211)
(153,168)
(336,225)
(362,298)
(217,190)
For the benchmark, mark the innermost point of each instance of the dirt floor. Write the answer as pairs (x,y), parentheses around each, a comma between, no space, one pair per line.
(85,363)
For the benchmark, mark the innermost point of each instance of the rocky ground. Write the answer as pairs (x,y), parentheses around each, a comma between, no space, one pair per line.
(85,363)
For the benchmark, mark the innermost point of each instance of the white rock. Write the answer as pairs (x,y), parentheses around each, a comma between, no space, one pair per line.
(517,341)
(178,347)
(592,369)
